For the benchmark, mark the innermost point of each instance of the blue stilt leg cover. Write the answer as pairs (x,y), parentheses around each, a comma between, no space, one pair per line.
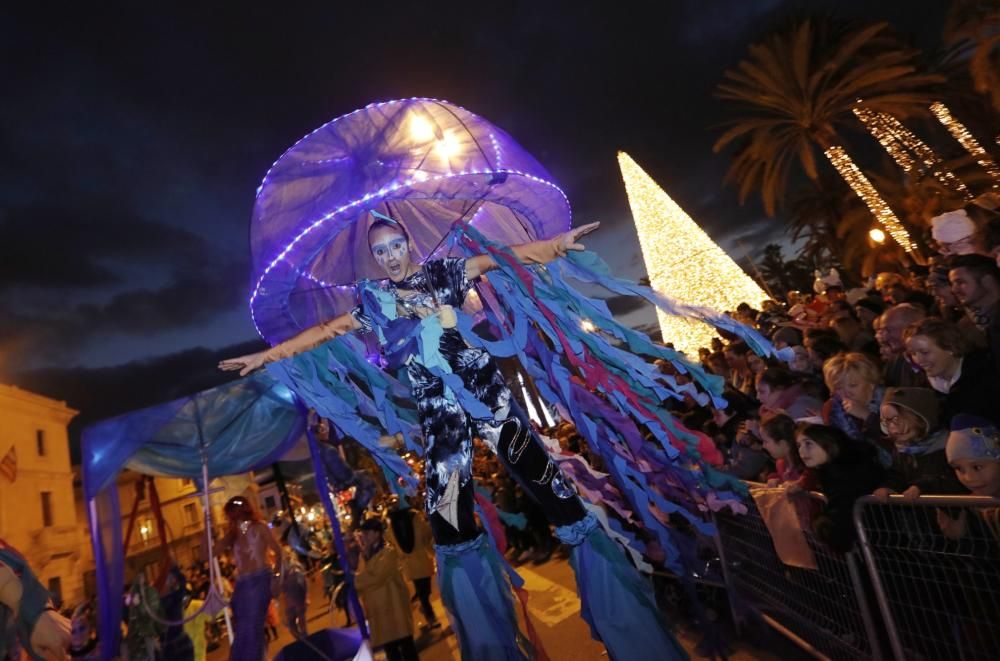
(477,596)
(616,601)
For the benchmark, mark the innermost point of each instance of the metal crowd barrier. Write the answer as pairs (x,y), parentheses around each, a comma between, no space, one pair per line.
(822,610)
(938,594)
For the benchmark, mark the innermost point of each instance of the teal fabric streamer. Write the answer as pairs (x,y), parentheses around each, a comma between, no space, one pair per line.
(473,583)
(320,378)
(616,601)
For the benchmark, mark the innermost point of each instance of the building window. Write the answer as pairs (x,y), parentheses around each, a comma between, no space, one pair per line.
(55,589)
(46,508)
(269,502)
(190,513)
(186,482)
(40,442)
(146,529)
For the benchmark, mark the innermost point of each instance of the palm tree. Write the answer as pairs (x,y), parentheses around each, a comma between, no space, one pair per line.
(823,214)
(796,92)
(972,31)
(782,276)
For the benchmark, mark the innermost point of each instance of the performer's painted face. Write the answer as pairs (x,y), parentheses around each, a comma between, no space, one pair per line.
(391,250)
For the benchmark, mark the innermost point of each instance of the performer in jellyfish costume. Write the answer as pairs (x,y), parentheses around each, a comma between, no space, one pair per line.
(433,353)
(460,394)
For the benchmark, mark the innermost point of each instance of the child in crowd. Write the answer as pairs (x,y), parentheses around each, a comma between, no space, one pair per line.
(909,416)
(777,435)
(973,451)
(845,471)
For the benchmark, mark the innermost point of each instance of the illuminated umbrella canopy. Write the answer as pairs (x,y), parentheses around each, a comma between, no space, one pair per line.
(427,163)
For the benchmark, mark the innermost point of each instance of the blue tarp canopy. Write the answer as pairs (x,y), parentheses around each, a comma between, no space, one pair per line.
(235,428)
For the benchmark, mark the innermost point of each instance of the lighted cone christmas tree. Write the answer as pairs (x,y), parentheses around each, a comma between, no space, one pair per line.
(682,260)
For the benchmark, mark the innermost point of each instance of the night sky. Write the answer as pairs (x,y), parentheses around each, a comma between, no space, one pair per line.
(133,141)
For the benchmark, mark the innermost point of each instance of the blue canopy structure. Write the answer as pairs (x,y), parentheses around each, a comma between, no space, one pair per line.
(231,429)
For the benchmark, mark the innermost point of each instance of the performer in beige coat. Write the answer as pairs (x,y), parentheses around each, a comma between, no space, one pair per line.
(383,593)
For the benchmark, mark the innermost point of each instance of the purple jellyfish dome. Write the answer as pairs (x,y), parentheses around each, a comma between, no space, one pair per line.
(429,164)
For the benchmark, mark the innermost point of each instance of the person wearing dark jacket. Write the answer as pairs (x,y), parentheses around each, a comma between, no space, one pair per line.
(845,471)
(967,381)
(919,466)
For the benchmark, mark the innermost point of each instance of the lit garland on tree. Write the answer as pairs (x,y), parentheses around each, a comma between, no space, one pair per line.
(682,261)
(967,140)
(906,148)
(861,185)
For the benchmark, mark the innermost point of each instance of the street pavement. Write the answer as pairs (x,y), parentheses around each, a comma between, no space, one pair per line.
(554,607)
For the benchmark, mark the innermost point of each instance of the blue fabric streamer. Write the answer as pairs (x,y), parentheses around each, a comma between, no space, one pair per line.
(616,601)
(473,583)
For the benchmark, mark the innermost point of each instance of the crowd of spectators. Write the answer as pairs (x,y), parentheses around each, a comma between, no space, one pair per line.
(882,386)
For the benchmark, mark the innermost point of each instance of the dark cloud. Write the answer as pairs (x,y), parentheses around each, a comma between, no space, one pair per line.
(100,393)
(133,139)
(69,246)
(190,298)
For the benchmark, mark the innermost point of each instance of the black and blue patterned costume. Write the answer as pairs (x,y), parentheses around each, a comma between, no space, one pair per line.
(448,427)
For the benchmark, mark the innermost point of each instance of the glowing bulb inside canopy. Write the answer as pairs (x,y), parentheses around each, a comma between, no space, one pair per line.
(877,235)
(421,129)
(448,146)
(682,261)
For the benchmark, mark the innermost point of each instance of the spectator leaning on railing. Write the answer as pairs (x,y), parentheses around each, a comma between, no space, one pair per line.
(845,470)
(973,451)
(910,416)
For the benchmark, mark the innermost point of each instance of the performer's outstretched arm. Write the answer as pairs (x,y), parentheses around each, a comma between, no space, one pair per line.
(536,252)
(307,339)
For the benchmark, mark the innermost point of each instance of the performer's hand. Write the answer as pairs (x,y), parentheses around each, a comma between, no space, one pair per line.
(448,317)
(570,240)
(245,364)
(51,636)
(391,442)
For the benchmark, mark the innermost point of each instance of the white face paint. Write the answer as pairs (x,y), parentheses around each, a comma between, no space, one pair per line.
(391,250)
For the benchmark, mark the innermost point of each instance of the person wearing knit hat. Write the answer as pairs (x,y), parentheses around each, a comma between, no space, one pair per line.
(954,233)
(922,405)
(973,450)
(910,418)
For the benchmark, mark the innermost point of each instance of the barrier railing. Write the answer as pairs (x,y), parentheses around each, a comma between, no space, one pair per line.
(824,610)
(935,573)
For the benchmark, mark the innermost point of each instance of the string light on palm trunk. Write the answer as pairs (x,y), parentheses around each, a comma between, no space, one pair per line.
(967,140)
(907,149)
(861,185)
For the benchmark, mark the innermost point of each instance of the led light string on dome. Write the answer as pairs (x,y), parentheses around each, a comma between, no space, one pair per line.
(374,197)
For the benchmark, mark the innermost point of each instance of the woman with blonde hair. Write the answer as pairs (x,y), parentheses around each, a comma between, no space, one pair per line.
(856,393)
